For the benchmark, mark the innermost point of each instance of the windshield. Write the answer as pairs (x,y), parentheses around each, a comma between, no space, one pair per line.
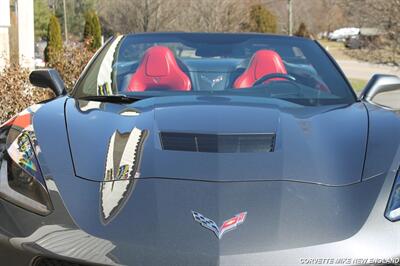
(146,65)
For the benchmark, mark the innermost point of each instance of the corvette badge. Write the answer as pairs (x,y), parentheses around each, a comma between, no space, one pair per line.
(226,226)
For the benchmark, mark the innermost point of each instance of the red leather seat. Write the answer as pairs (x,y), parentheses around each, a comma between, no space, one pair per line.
(159,70)
(262,63)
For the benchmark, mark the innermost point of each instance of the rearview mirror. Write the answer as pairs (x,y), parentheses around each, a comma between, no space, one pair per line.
(48,78)
(380,84)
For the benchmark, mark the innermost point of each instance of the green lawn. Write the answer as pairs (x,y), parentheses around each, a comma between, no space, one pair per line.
(358,84)
(336,49)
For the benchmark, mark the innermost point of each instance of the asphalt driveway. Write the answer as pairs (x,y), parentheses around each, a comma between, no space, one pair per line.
(364,71)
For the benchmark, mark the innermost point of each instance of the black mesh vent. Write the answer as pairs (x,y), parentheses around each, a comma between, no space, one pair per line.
(227,143)
(55,262)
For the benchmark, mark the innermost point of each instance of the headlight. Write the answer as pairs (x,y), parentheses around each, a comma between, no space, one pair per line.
(393,208)
(21,179)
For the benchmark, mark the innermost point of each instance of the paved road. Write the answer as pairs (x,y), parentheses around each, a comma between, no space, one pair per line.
(364,71)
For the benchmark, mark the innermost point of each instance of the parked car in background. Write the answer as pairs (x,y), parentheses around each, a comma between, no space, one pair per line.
(340,35)
(354,42)
(365,37)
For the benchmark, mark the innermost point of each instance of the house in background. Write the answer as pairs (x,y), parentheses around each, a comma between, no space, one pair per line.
(17,33)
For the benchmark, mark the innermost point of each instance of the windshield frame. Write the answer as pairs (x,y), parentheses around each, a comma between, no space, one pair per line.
(336,65)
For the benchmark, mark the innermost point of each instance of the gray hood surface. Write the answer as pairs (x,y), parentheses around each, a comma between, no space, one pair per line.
(324,145)
(148,220)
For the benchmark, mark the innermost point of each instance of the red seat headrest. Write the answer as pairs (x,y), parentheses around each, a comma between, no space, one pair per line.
(262,63)
(159,69)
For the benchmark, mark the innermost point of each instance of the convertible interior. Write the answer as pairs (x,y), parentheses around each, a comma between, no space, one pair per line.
(160,69)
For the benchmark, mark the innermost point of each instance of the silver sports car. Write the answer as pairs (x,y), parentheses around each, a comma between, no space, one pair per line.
(203,149)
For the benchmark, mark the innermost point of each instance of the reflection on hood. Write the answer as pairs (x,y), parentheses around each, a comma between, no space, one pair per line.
(86,106)
(75,243)
(122,167)
(104,81)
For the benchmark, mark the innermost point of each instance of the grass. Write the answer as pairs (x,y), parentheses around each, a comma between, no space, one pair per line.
(336,49)
(358,84)
(331,44)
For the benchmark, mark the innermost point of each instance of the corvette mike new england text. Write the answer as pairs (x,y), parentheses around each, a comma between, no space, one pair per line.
(349,261)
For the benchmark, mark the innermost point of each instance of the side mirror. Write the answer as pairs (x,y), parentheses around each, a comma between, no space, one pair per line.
(48,78)
(379,84)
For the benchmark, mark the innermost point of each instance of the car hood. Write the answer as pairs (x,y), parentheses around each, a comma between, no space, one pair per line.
(324,145)
(153,222)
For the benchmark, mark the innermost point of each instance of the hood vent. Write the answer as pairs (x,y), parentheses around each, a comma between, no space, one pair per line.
(226,143)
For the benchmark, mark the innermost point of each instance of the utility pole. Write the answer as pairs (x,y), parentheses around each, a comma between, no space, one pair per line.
(65,22)
(290,17)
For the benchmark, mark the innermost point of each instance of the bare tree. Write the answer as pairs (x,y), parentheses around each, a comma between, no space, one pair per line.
(386,16)
(154,15)
(137,15)
(117,16)
(216,16)
(173,15)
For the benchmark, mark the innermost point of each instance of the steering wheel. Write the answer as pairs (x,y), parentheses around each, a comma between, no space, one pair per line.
(272,76)
(287,78)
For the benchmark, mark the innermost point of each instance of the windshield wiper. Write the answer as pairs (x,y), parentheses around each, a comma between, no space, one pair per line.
(111,98)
